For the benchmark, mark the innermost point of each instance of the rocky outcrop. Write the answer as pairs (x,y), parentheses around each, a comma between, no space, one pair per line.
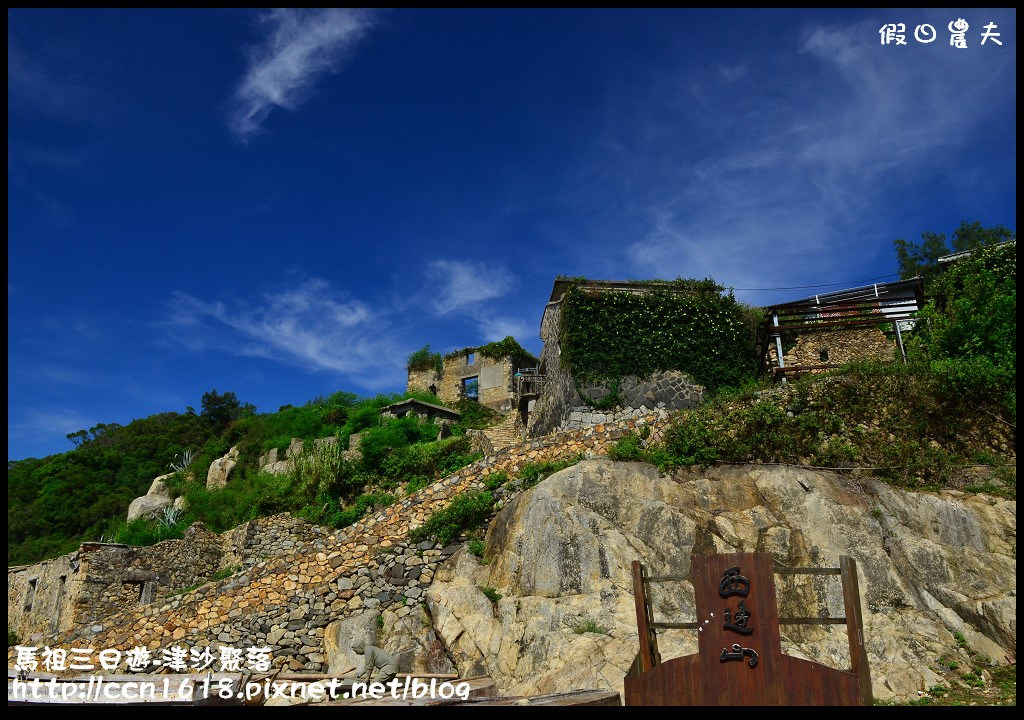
(220,470)
(559,557)
(153,503)
(273,462)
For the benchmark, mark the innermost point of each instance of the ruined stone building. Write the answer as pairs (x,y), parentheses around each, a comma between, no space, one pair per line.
(101,579)
(485,374)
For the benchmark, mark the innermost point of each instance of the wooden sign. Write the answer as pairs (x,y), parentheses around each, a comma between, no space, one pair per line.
(739,660)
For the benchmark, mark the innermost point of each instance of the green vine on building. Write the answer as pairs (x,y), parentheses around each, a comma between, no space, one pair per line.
(693,326)
(500,349)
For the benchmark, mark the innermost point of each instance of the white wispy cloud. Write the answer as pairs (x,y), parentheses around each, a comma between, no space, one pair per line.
(499,327)
(478,292)
(301,47)
(41,425)
(775,175)
(48,80)
(311,325)
(460,285)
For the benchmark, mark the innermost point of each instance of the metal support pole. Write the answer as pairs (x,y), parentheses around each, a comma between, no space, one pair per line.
(899,340)
(778,344)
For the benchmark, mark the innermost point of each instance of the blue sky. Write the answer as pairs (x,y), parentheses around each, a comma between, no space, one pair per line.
(287,203)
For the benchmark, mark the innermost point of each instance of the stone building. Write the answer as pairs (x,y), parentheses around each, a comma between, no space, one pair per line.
(101,579)
(561,404)
(485,374)
(828,330)
(423,410)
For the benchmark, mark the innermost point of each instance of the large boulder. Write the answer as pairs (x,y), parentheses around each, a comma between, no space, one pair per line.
(559,555)
(338,637)
(154,502)
(220,470)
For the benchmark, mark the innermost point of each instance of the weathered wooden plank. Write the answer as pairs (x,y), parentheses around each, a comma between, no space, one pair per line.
(647,657)
(740,661)
(855,628)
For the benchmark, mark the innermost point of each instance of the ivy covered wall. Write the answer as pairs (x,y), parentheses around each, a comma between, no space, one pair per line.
(693,326)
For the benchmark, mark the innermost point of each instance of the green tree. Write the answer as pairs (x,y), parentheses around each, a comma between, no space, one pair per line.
(220,409)
(922,259)
(968,333)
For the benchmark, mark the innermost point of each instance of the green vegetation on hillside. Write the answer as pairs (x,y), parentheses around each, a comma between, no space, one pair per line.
(947,418)
(56,503)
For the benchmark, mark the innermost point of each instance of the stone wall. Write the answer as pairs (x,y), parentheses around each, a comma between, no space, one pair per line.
(285,602)
(103,579)
(839,347)
(551,411)
(494,380)
(668,390)
(423,380)
(39,597)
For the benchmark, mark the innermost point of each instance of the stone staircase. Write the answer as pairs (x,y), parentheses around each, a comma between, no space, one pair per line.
(504,434)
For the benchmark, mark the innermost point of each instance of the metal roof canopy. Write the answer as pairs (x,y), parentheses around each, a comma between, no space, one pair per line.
(845,309)
(901,291)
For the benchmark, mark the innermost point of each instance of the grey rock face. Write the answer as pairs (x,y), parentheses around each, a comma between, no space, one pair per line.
(154,502)
(929,564)
(220,470)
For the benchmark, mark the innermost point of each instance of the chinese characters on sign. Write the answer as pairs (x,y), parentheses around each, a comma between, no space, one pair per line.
(175,658)
(896,33)
(733,583)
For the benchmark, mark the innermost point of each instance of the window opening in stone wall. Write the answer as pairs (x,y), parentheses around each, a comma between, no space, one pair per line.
(61,585)
(471,388)
(147,590)
(30,596)
(470,358)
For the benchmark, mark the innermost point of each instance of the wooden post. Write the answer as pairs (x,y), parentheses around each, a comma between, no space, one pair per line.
(855,628)
(647,652)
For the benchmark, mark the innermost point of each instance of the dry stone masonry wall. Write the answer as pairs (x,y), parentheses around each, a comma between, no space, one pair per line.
(285,602)
(837,347)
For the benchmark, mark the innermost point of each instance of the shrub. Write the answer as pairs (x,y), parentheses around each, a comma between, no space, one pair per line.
(590,627)
(416,483)
(627,448)
(476,547)
(143,531)
(533,473)
(465,512)
(492,594)
(360,507)
(495,480)
(225,573)
(423,359)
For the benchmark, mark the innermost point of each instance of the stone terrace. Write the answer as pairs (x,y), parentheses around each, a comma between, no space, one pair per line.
(286,602)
